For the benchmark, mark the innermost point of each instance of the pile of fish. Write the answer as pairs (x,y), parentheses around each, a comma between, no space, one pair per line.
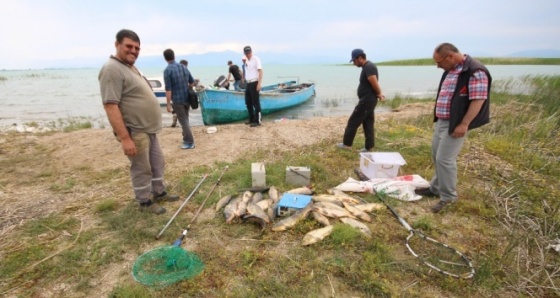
(252,206)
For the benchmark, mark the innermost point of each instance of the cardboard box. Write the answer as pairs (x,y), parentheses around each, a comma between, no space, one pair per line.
(258,174)
(381,164)
(300,176)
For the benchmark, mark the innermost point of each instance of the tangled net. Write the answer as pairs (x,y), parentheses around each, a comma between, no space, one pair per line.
(166,265)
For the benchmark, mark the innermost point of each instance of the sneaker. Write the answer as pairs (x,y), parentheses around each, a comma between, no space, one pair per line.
(187,146)
(425,192)
(437,207)
(363,150)
(153,208)
(248,122)
(342,146)
(254,124)
(166,197)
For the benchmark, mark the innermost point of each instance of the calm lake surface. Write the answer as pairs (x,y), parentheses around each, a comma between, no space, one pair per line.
(45,96)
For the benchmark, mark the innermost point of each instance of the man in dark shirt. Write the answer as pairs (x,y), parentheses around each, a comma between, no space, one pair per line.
(177,80)
(234,71)
(369,92)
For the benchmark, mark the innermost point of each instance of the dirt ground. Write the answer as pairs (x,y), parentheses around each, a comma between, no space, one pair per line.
(98,149)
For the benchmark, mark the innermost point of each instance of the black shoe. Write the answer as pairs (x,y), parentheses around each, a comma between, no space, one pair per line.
(439,206)
(425,192)
(254,124)
(248,122)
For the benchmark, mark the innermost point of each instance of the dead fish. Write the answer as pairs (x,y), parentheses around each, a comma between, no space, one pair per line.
(255,219)
(292,220)
(254,209)
(370,207)
(242,207)
(265,204)
(222,202)
(346,198)
(357,212)
(316,235)
(256,189)
(230,210)
(272,210)
(331,210)
(320,218)
(335,199)
(358,225)
(273,194)
(257,197)
(301,191)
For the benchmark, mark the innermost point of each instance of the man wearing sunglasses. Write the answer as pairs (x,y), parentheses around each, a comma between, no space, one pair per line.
(135,116)
(462,104)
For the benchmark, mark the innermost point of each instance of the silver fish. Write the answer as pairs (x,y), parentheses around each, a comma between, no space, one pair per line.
(316,235)
(254,209)
(273,194)
(320,218)
(222,202)
(358,225)
(370,207)
(242,207)
(257,197)
(230,210)
(301,191)
(331,210)
(265,204)
(292,220)
(357,212)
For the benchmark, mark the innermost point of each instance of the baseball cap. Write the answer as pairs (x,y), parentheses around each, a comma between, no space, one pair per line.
(247,49)
(356,53)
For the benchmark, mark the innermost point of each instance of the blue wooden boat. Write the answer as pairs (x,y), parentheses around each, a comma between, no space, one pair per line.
(225,106)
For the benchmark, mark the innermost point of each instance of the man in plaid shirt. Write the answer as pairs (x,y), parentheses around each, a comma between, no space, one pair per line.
(462,104)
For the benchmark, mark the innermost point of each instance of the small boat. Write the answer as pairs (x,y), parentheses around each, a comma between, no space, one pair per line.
(159,90)
(223,106)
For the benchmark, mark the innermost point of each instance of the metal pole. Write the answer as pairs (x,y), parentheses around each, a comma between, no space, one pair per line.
(204,202)
(182,205)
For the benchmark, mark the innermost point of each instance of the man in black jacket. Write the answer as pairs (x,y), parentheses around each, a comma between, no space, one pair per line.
(462,104)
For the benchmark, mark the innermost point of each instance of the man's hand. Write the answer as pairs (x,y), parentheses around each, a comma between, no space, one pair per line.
(169,107)
(129,148)
(460,130)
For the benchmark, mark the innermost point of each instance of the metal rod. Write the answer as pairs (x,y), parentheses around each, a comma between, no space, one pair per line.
(181,207)
(204,202)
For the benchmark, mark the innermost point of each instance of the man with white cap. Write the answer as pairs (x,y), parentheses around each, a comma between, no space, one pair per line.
(369,92)
(253,78)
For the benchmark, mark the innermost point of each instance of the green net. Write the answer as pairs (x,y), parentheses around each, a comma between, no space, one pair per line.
(166,265)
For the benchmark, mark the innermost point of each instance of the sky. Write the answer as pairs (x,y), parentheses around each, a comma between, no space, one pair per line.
(58,33)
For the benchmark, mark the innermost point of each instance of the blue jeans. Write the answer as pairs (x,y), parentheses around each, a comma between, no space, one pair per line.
(236,85)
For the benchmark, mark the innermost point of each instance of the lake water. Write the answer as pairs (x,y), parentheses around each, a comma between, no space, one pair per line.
(44,96)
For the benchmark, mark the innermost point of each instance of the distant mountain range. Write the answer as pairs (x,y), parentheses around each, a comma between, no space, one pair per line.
(221,58)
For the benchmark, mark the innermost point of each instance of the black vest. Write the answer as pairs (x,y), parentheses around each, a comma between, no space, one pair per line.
(460,101)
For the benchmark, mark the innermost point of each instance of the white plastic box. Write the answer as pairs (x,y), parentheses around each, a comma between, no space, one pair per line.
(300,176)
(381,164)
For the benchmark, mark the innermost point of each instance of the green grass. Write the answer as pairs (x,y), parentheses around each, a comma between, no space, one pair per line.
(507,214)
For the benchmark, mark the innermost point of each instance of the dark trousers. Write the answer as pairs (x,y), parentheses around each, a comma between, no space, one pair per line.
(253,102)
(363,115)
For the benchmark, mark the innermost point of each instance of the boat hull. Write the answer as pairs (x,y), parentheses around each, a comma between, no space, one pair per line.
(223,106)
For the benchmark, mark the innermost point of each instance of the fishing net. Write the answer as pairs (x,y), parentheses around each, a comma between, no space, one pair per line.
(165,266)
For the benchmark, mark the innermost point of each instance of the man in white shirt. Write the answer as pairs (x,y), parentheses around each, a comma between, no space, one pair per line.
(253,78)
